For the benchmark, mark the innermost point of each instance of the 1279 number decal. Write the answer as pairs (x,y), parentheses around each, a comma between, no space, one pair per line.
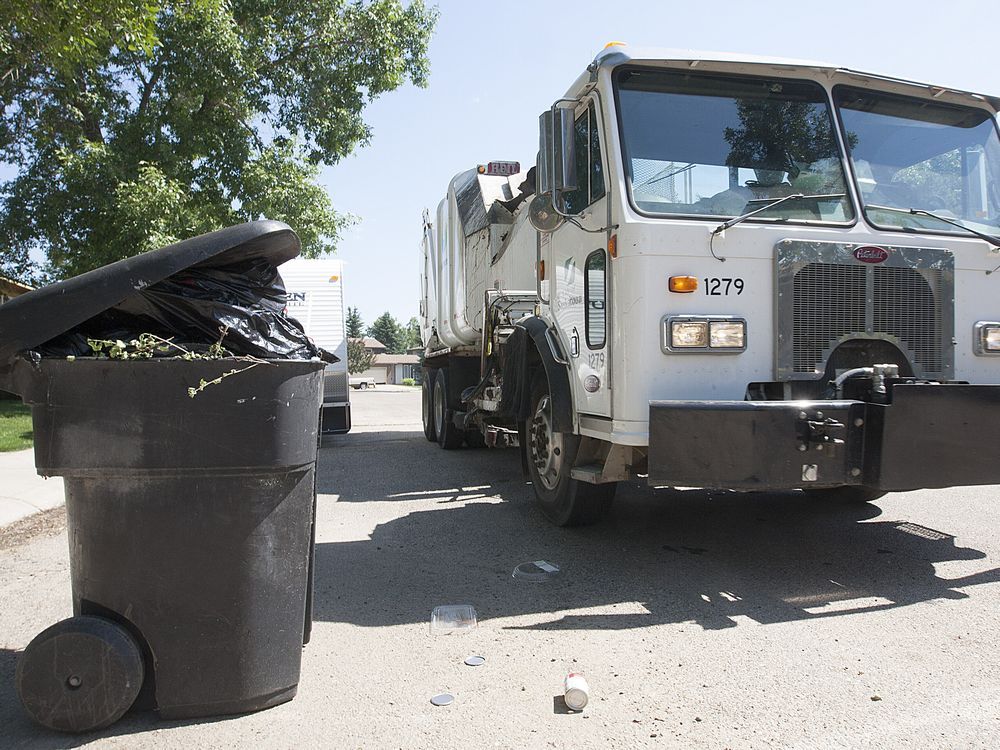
(723,287)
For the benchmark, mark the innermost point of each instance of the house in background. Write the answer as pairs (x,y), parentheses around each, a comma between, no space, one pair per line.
(10,289)
(390,368)
(374,345)
(396,367)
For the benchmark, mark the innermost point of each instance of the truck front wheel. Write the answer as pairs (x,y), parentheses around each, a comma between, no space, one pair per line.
(563,500)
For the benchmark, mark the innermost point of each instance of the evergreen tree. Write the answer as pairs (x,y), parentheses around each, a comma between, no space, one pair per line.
(387,330)
(355,326)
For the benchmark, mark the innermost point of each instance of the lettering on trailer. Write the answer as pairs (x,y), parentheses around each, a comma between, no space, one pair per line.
(296,298)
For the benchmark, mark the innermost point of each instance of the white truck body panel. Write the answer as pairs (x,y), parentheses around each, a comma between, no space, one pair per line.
(458,258)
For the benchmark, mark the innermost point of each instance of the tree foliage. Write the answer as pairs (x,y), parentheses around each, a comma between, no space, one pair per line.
(778,135)
(359,359)
(133,124)
(387,330)
(412,331)
(355,325)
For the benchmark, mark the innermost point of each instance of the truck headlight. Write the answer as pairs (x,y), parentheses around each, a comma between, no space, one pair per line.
(689,333)
(727,334)
(703,334)
(987,337)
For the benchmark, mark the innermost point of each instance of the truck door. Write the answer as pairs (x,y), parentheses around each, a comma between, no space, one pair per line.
(580,273)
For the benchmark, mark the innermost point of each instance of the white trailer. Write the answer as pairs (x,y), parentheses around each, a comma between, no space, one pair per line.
(735,272)
(315,289)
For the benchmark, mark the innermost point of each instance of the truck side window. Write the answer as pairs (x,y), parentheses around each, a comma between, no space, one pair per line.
(589,165)
(595,298)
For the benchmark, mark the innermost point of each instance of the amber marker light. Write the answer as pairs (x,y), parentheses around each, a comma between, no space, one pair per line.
(683,284)
(613,246)
(541,270)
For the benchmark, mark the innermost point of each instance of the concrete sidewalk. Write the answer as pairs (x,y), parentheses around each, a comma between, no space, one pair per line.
(22,491)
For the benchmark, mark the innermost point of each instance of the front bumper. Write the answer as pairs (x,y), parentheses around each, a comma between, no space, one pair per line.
(928,435)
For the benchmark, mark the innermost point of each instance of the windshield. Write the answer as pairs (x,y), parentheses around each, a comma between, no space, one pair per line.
(713,145)
(919,154)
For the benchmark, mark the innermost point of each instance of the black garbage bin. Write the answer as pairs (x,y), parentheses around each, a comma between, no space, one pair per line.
(190,518)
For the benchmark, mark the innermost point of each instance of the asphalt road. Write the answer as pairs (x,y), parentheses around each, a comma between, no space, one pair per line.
(700,621)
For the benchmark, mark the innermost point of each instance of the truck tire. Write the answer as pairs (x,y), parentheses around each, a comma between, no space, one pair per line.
(846,495)
(427,404)
(449,436)
(563,500)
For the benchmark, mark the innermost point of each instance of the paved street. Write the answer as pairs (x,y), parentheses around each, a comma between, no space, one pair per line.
(722,621)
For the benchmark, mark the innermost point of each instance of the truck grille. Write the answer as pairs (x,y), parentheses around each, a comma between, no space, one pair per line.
(826,297)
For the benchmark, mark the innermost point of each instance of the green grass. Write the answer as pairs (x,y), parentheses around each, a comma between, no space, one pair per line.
(15,426)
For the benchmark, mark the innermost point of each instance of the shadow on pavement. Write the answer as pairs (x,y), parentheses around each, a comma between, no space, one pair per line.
(681,555)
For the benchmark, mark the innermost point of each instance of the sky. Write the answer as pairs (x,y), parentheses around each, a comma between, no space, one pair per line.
(494,66)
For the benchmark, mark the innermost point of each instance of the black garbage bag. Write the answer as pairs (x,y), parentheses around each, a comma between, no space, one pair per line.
(234,297)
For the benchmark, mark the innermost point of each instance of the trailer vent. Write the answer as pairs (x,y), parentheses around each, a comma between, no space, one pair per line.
(826,297)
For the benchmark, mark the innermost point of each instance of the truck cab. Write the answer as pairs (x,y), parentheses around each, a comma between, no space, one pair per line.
(766,274)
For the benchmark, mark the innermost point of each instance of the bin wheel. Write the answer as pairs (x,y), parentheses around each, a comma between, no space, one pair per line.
(80,674)
(846,495)
(563,500)
(427,405)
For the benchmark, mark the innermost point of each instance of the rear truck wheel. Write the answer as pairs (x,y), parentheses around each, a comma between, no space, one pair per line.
(563,500)
(449,436)
(847,495)
(80,674)
(427,405)
(364,386)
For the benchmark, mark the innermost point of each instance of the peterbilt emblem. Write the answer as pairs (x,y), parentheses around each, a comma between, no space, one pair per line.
(871,254)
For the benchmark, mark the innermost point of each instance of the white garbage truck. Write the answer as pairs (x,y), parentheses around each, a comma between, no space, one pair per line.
(725,272)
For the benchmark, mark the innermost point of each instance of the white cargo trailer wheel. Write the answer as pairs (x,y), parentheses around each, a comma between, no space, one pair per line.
(563,500)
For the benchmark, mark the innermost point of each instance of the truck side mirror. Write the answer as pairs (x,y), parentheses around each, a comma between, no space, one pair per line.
(557,151)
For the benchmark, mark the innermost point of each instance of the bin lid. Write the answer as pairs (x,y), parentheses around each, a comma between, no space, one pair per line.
(39,316)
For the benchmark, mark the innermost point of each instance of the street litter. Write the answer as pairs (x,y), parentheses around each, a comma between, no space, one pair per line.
(475,661)
(576,691)
(444,699)
(538,571)
(452,618)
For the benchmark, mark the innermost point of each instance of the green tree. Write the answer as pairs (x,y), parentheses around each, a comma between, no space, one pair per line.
(359,359)
(133,124)
(355,325)
(412,332)
(387,330)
